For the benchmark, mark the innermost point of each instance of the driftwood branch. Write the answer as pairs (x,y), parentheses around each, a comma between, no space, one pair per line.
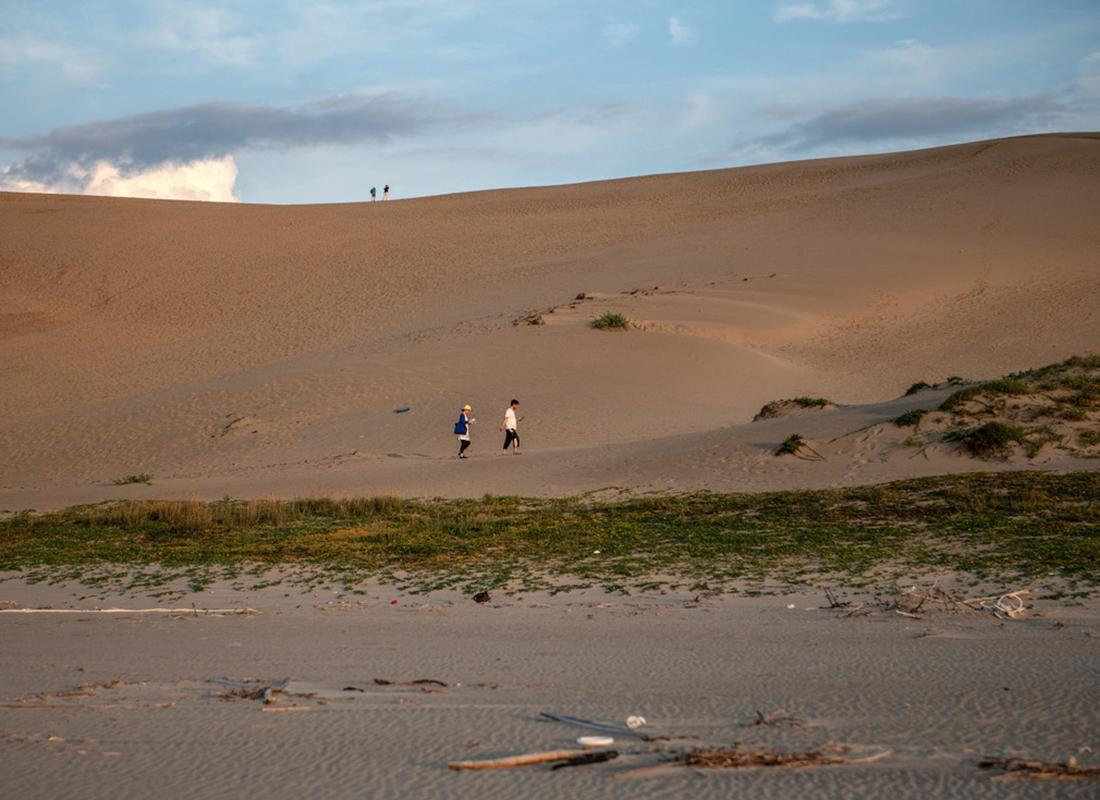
(524,760)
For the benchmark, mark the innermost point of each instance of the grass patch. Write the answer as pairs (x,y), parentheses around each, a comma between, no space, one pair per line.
(811,402)
(1001,387)
(791,445)
(919,386)
(910,418)
(1089,438)
(1010,525)
(141,477)
(610,321)
(990,439)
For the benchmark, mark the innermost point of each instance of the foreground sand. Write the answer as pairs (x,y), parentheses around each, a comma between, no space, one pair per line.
(938,692)
(256,350)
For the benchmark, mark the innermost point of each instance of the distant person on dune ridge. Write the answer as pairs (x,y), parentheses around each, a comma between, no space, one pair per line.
(462,430)
(373,194)
(508,426)
(386,192)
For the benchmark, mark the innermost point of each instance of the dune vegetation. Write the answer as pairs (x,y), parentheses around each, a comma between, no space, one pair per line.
(1006,527)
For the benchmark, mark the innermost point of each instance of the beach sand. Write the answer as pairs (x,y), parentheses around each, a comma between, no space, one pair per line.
(116,705)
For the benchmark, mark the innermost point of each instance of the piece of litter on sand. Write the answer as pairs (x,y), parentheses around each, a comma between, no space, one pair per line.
(587,758)
(523,760)
(482,597)
(790,605)
(635,721)
(595,741)
(402,410)
(596,726)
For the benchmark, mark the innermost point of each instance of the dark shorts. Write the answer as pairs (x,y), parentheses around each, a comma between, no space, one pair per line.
(509,437)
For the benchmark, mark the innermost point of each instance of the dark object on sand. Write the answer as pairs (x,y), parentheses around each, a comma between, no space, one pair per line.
(587,758)
(417,682)
(482,597)
(401,410)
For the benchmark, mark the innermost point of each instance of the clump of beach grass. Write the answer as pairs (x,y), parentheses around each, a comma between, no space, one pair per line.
(611,321)
(988,440)
(910,418)
(141,477)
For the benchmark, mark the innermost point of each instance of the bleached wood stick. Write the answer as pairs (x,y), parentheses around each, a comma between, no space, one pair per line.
(128,611)
(519,761)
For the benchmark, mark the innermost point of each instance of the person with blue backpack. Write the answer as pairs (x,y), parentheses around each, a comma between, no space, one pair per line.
(462,430)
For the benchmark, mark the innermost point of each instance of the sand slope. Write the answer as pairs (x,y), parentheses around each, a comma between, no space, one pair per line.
(262,350)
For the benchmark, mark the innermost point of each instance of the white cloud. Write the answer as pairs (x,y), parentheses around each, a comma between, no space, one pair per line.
(839,11)
(74,65)
(206,179)
(682,35)
(619,34)
(208,35)
(701,111)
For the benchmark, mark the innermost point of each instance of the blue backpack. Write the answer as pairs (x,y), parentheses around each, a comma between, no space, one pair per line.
(460,426)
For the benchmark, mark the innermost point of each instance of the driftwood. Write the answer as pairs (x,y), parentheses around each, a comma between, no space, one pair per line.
(913,603)
(737,757)
(1067,770)
(190,611)
(524,760)
(588,758)
(775,719)
(253,691)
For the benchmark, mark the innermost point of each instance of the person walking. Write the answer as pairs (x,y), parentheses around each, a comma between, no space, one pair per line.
(509,427)
(462,430)
(386,192)
(373,194)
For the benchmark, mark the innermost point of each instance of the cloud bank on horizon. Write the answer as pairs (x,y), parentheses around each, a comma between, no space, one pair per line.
(318,102)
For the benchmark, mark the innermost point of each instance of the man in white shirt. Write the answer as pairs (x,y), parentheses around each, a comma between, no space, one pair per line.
(511,436)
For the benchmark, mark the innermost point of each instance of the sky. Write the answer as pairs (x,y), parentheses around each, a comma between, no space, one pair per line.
(280,101)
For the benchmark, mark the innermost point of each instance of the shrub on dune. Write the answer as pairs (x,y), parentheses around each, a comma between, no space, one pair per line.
(610,321)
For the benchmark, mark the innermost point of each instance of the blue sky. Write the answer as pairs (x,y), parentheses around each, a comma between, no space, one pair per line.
(315,102)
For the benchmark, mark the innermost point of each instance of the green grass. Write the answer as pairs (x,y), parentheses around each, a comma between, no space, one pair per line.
(791,445)
(811,402)
(142,477)
(610,321)
(1002,387)
(910,418)
(1008,526)
(990,439)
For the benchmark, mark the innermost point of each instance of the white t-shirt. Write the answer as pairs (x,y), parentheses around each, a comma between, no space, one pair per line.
(510,419)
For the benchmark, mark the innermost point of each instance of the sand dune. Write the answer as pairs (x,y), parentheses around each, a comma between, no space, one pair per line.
(262,350)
